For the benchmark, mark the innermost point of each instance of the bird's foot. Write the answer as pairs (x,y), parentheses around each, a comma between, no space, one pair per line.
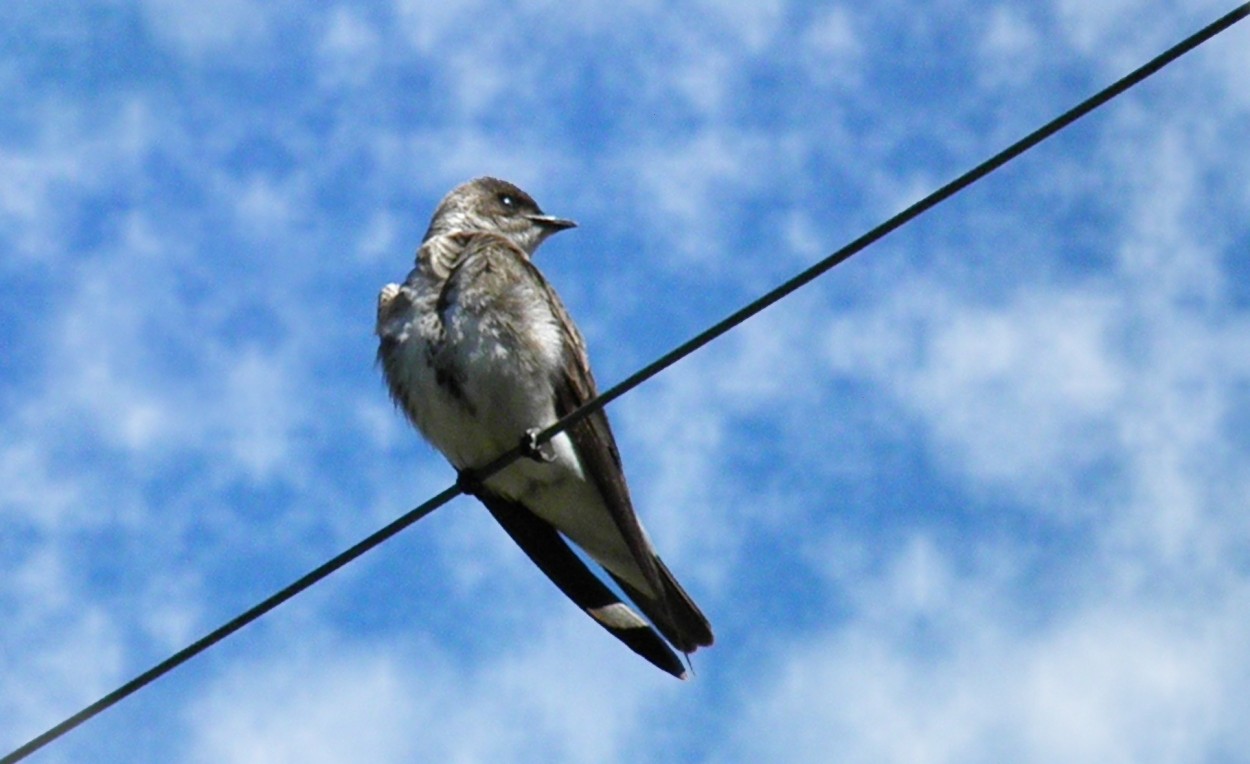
(539,452)
(468,482)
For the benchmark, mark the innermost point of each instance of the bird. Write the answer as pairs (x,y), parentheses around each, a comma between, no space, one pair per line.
(480,354)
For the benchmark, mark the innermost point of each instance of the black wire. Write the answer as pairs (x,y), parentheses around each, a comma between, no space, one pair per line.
(915,210)
(236,623)
(637,378)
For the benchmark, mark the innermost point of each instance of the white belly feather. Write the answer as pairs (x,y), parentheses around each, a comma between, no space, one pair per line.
(508,391)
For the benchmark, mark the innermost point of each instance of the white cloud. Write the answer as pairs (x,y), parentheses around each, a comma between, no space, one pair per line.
(754,24)
(833,50)
(266,208)
(26,184)
(340,704)
(262,417)
(1071,400)
(463,151)
(1124,686)
(1018,395)
(350,48)
(117,321)
(1111,36)
(60,650)
(683,189)
(78,151)
(935,665)
(1009,50)
(537,698)
(430,26)
(1229,59)
(213,31)
(34,490)
(379,238)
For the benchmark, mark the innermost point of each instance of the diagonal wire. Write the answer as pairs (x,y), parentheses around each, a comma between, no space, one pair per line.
(234,624)
(900,219)
(637,378)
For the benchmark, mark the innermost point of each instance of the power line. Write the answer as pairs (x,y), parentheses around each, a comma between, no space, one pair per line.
(940,195)
(637,378)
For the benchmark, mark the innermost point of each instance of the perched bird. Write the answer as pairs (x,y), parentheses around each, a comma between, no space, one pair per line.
(480,354)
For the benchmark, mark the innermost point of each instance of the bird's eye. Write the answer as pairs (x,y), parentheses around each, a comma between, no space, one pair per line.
(508,201)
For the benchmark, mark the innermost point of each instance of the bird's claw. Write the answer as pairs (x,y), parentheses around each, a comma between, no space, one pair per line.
(539,452)
(467,481)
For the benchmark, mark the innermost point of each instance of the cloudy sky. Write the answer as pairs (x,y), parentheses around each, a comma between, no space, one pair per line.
(979,495)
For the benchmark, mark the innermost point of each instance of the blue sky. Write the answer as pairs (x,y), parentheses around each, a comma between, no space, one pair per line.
(978,495)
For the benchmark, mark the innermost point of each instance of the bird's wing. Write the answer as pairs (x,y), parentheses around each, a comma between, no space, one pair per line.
(548,550)
(667,605)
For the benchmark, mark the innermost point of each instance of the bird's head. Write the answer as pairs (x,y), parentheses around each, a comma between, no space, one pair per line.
(495,206)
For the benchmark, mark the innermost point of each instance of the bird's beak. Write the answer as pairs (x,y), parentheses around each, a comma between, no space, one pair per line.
(552,224)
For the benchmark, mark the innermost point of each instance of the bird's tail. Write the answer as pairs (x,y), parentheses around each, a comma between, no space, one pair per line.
(673,612)
(547,548)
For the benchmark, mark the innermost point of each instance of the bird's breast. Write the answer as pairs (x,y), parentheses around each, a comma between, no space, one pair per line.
(504,373)
(472,381)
